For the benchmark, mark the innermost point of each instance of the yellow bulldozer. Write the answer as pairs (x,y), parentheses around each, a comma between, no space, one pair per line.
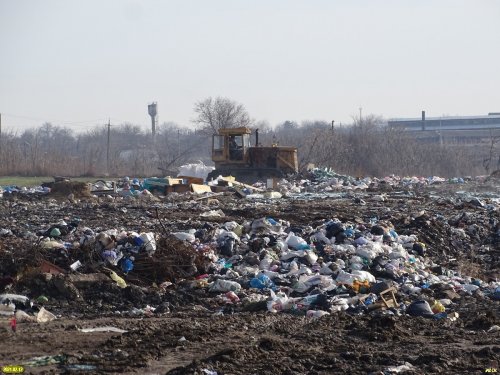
(233,155)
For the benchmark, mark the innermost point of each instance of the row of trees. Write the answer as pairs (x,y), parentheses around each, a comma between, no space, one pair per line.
(54,150)
(365,147)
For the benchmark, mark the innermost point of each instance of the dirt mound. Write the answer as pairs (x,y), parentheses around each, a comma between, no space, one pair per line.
(64,188)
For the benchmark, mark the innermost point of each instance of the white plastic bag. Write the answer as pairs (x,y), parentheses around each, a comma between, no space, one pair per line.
(44,316)
(364,275)
(183,236)
(295,241)
(222,285)
(149,242)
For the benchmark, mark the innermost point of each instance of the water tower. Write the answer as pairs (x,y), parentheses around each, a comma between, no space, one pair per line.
(153,112)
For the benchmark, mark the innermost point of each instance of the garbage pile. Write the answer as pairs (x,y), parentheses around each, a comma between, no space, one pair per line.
(261,264)
(13,189)
(327,180)
(307,267)
(360,268)
(336,266)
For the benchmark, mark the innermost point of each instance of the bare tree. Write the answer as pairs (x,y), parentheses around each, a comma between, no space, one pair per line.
(490,158)
(220,113)
(365,148)
(177,145)
(263,126)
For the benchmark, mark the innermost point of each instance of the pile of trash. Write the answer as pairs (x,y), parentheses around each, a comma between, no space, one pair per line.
(336,266)
(332,265)
(327,180)
(12,190)
(22,308)
(316,180)
(264,263)
(365,262)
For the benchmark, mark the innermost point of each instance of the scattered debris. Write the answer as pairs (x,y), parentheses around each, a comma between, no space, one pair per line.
(102,329)
(366,256)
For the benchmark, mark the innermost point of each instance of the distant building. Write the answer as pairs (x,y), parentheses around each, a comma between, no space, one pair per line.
(461,129)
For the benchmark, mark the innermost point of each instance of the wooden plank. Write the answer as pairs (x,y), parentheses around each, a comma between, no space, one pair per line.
(391,301)
(234,182)
(209,196)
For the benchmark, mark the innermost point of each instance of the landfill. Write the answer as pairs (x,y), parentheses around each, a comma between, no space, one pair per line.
(319,274)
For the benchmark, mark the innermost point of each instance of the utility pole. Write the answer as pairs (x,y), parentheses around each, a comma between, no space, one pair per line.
(440,133)
(107,150)
(178,142)
(333,122)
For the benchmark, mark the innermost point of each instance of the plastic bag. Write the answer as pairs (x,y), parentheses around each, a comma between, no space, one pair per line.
(222,285)
(295,241)
(316,313)
(438,307)
(149,242)
(364,275)
(119,281)
(185,236)
(44,316)
(262,282)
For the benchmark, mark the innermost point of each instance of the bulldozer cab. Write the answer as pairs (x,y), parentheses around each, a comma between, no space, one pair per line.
(231,145)
(233,155)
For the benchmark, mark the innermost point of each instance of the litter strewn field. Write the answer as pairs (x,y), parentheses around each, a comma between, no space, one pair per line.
(333,275)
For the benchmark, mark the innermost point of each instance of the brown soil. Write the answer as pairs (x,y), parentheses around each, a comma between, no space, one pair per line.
(65,188)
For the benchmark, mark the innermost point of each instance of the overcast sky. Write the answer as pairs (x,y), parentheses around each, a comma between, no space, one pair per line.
(76,63)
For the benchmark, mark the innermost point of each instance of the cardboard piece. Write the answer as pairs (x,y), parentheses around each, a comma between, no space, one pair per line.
(48,267)
(174,181)
(191,180)
(200,189)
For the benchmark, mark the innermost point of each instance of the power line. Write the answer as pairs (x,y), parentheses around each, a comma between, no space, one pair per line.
(62,122)
(74,124)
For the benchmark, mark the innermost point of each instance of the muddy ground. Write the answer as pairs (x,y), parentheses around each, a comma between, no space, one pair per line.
(193,332)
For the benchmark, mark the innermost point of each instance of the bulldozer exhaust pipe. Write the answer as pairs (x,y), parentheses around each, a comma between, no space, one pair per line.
(256,137)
